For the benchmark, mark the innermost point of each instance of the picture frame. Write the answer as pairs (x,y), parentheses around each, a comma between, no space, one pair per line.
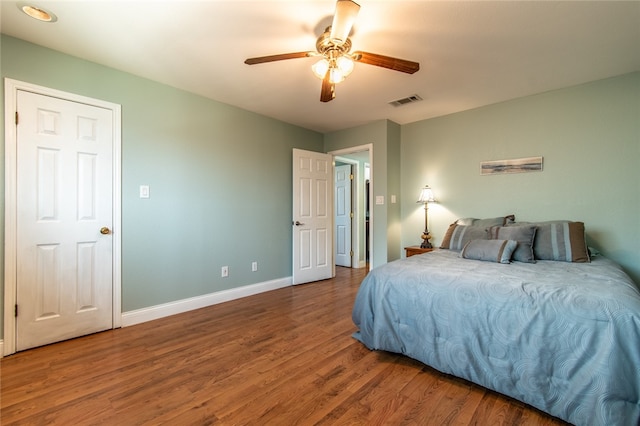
(516,165)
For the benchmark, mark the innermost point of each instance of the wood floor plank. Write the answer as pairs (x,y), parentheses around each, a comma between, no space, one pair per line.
(281,357)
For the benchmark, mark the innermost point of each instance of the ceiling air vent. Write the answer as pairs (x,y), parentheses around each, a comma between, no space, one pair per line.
(404,101)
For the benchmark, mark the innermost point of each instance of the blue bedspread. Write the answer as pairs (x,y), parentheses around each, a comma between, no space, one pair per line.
(562,337)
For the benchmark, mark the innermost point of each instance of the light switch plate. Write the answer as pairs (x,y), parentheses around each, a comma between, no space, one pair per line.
(379,199)
(144,191)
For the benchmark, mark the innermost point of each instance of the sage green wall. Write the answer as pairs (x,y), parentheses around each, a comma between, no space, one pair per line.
(378,135)
(589,136)
(220,179)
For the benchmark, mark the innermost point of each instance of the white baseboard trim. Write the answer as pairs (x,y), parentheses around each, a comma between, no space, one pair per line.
(1,348)
(151,313)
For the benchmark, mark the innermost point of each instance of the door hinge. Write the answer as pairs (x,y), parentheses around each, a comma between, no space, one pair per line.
(16,311)
(351,176)
(16,117)
(351,253)
(351,215)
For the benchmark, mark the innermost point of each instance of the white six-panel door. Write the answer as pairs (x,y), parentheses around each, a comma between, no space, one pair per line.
(312,216)
(64,280)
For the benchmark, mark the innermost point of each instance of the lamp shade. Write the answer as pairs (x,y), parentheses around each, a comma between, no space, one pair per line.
(426,195)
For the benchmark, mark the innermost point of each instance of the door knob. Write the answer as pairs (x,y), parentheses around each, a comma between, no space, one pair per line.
(104,230)
(296,223)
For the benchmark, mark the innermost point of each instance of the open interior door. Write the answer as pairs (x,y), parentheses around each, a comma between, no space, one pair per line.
(343,178)
(312,216)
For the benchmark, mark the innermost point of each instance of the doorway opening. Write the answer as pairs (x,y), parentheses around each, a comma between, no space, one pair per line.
(360,160)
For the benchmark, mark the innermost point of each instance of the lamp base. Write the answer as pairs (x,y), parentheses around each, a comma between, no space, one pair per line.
(425,240)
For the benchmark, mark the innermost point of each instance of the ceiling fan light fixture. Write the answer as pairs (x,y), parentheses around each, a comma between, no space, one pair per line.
(345,64)
(320,68)
(338,69)
(336,75)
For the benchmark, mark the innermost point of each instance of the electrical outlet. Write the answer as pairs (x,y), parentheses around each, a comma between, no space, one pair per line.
(224,271)
(254,266)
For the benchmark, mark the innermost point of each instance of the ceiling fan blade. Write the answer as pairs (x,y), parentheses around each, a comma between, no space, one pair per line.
(395,64)
(328,91)
(343,19)
(280,57)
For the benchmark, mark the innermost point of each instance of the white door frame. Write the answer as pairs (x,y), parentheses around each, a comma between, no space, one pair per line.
(11,88)
(342,152)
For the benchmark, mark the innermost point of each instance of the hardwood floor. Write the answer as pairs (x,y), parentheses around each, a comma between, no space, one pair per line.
(284,357)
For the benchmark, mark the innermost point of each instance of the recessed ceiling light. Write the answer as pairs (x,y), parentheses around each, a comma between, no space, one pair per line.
(37,13)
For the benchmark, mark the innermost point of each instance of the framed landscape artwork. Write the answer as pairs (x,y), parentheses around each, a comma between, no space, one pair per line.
(518,165)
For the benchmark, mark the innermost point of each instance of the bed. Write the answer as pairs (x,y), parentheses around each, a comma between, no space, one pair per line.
(560,335)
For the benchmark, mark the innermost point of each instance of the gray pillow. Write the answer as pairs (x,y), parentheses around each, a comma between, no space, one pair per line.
(489,250)
(523,234)
(461,235)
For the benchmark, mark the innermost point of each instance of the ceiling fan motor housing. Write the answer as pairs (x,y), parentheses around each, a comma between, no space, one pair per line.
(329,48)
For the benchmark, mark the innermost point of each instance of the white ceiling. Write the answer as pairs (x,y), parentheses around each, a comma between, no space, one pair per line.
(471,53)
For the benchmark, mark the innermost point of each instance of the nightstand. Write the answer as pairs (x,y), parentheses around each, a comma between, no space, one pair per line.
(413,250)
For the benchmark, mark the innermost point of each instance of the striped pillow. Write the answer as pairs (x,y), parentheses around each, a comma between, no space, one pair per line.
(560,240)
(480,223)
(461,235)
(489,250)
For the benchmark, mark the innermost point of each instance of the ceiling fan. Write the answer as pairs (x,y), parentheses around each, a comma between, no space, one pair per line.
(334,47)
